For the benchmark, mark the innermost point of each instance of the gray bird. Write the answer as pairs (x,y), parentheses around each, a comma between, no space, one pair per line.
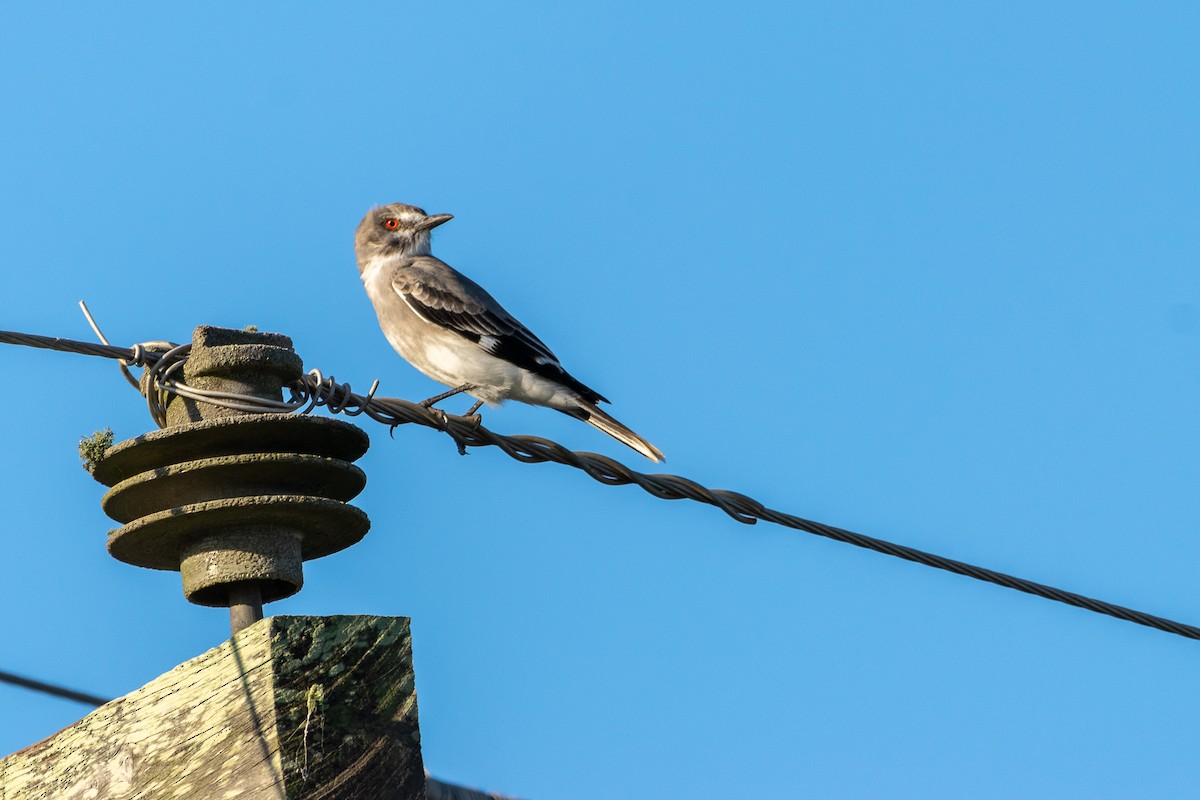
(449,328)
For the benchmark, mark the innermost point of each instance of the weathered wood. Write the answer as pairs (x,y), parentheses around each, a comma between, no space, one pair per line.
(319,708)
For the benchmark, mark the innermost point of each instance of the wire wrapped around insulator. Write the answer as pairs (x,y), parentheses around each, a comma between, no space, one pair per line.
(312,390)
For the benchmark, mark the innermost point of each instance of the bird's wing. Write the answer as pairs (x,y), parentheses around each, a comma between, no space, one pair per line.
(441,295)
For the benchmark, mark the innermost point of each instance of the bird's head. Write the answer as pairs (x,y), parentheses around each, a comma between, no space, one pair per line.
(395,229)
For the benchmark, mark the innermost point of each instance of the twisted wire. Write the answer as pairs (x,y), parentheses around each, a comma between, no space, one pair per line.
(163,362)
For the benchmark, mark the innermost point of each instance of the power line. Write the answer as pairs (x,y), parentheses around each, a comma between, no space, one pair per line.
(51,689)
(164,361)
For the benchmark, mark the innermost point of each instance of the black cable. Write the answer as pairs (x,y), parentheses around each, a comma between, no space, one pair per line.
(49,688)
(313,390)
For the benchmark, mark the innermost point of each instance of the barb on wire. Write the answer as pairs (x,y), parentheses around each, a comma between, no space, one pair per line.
(313,390)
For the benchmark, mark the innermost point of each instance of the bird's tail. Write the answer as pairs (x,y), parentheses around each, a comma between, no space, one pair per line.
(598,419)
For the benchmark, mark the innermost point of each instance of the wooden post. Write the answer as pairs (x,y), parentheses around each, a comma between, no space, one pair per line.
(289,708)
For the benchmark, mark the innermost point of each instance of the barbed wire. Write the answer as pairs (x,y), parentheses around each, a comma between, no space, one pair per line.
(163,362)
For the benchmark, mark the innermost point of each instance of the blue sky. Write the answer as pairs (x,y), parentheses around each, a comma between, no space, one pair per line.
(926,271)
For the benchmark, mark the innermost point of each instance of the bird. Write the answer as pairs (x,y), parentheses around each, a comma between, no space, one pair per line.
(452,330)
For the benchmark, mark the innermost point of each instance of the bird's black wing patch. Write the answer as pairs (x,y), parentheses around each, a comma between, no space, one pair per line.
(441,295)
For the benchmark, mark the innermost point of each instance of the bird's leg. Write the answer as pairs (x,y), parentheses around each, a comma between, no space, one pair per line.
(440,397)
(473,408)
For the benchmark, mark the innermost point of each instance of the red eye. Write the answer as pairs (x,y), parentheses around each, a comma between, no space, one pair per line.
(391,223)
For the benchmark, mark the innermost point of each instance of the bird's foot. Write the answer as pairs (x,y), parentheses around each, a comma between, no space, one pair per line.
(437,398)
(471,411)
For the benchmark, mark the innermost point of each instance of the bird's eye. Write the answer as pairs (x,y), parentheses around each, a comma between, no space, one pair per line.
(391,223)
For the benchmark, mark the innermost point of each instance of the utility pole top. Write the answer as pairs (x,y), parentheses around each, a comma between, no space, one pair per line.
(291,708)
(235,501)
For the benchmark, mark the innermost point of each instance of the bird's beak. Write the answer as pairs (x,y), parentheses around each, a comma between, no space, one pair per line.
(429,223)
